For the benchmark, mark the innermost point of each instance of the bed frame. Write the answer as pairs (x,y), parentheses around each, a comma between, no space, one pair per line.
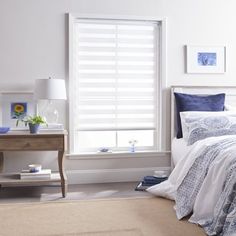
(230,99)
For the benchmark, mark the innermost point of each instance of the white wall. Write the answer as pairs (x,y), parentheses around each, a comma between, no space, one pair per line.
(34,44)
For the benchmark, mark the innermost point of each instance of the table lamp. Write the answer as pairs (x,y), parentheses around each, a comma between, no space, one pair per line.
(50,89)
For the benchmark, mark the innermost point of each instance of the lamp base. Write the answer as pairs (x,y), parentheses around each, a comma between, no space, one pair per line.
(50,113)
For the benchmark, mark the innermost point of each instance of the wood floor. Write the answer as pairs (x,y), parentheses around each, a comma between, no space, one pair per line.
(75,192)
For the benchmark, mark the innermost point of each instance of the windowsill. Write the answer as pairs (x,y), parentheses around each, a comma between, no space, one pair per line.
(113,155)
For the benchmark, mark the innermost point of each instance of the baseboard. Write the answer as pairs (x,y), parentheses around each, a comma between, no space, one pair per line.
(110,175)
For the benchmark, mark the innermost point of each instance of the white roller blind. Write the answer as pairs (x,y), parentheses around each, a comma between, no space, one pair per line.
(115,68)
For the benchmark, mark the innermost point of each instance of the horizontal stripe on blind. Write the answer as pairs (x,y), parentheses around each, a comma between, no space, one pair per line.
(114,102)
(115,75)
(114,128)
(93,31)
(114,111)
(135,76)
(117,58)
(116,67)
(112,85)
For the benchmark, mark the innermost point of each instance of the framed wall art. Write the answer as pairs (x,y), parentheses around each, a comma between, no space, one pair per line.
(16,105)
(206,59)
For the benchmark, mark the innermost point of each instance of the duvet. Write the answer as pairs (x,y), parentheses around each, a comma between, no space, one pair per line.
(203,184)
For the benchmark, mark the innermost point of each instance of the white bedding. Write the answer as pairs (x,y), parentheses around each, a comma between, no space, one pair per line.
(179,149)
(203,192)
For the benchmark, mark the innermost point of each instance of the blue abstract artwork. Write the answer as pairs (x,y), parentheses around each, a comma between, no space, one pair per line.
(207,59)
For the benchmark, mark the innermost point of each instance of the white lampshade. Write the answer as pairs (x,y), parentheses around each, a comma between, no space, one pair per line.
(50,89)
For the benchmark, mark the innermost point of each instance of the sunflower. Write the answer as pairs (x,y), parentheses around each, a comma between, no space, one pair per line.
(19,108)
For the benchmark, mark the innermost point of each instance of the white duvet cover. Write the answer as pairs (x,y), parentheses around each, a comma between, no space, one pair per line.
(203,183)
(179,149)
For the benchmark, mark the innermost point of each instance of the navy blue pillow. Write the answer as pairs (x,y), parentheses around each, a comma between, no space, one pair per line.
(189,102)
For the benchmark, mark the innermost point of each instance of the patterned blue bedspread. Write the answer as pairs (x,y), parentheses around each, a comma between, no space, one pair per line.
(223,220)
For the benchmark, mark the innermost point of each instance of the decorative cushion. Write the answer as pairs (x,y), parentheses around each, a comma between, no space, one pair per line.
(200,125)
(189,102)
(229,108)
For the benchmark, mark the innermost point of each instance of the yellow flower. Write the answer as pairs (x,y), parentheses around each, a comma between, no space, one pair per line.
(19,108)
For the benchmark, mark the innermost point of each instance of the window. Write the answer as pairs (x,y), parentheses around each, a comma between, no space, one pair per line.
(114,85)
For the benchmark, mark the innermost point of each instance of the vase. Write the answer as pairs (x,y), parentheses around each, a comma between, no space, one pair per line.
(132,148)
(34,128)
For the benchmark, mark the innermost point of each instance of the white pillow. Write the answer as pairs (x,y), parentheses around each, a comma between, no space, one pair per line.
(200,125)
(229,108)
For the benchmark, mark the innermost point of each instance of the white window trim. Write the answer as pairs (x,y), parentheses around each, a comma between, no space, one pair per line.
(116,155)
(162,55)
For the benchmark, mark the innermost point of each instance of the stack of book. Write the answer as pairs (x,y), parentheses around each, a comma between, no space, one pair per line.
(149,181)
(43,174)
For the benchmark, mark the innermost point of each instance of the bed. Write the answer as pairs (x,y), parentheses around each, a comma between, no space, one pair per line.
(203,180)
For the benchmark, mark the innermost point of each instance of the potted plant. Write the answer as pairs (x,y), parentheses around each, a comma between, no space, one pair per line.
(34,123)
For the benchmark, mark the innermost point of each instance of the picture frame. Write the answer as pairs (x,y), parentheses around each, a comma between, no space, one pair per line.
(16,105)
(206,59)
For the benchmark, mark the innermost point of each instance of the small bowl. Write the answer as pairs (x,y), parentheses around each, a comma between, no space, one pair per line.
(160,173)
(4,130)
(104,149)
(34,168)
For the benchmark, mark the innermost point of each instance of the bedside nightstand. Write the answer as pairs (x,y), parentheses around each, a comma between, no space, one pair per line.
(24,141)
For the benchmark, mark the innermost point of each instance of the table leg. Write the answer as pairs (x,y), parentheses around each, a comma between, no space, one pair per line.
(1,163)
(62,173)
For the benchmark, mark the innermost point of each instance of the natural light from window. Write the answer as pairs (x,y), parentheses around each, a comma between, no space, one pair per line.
(115,85)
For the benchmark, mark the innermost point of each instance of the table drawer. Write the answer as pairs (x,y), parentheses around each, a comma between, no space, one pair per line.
(36,143)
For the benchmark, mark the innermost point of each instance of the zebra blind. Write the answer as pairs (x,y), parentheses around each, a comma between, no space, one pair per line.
(115,75)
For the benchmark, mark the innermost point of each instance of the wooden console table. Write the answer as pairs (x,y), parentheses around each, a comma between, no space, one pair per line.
(24,141)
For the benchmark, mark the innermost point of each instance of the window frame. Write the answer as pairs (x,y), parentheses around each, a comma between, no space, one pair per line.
(161,74)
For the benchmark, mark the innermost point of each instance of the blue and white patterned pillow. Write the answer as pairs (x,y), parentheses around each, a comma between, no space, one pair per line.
(200,125)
